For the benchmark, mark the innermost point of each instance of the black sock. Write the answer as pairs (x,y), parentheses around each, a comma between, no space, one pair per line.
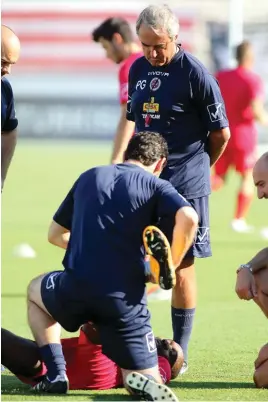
(53,358)
(182,323)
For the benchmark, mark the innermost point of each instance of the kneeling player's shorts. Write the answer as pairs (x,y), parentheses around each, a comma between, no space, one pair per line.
(201,247)
(240,160)
(124,328)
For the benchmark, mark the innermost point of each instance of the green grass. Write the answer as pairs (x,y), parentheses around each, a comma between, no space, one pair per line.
(227,332)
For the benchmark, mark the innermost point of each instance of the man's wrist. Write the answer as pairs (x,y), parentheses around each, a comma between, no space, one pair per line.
(244,266)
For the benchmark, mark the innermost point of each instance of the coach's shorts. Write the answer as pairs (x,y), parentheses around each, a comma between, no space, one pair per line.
(124,326)
(201,247)
(238,159)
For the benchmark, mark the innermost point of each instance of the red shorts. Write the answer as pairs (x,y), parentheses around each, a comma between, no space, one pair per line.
(238,159)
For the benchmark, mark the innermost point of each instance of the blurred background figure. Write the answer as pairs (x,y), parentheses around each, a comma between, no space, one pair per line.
(243,93)
(117,39)
(10,52)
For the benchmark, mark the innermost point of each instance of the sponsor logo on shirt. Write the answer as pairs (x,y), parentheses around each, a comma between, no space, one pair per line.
(155,84)
(158,73)
(141,84)
(215,111)
(151,107)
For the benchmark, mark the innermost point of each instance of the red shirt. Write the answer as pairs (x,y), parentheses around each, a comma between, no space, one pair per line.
(123,76)
(239,88)
(88,368)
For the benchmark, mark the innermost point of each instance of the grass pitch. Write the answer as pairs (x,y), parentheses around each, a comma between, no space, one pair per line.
(227,332)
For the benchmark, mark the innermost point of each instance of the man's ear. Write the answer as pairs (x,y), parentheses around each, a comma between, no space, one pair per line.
(117,38)
(160,165)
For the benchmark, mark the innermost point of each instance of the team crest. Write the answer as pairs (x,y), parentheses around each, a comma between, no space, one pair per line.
(155,84)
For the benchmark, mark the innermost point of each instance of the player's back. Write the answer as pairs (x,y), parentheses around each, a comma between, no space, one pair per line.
(112,206)
(237,87)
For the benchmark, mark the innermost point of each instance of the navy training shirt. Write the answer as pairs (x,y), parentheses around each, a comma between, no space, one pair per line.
(106,211)
(8,116)
(182,101)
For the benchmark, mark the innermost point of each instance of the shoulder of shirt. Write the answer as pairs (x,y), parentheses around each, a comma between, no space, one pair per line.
(141,61)
(192,64)
(6,87)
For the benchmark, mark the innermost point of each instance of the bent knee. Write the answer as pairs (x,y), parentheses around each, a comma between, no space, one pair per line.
(34,286)
(261,375)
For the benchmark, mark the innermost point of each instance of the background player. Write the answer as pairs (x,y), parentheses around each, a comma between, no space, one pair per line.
(243,94)
(104,275)
(116,37)
(10,52)
(252,278)
(87,366)
(182,101)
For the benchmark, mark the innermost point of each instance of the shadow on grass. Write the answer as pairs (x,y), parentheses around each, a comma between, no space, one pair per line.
(211,385)
(12,386)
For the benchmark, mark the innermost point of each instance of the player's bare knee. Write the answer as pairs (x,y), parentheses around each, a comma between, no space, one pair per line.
(260,376)
(33,288)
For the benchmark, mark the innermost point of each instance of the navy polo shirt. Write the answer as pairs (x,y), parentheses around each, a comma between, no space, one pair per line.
(106,211)
(8,116)
(182,101)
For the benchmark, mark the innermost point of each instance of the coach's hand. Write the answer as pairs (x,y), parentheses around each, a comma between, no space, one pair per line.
(245,285)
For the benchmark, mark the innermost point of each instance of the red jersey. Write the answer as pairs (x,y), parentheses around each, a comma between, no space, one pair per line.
(239,88)
(88,368)
(123,76)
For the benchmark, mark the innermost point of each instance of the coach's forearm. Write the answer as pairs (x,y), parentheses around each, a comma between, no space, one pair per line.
(260,261)
(184,232)
(8,145)
(218,141)
(124,132)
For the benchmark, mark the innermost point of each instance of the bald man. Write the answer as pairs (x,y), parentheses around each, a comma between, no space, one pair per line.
(252,278)
(10,51)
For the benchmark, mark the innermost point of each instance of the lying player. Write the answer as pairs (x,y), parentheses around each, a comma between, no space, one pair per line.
(87,366)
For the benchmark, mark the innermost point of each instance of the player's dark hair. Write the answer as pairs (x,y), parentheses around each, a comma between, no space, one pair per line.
(111,26)
(241,50)
(146,147)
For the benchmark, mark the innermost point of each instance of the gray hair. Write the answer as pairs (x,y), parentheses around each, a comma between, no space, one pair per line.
(159,18)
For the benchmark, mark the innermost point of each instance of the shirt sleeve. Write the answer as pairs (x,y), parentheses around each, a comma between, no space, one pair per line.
(131,88)
(11,120)
(64,214)
(256,88)
(209,101)
(169,200)
(123,84)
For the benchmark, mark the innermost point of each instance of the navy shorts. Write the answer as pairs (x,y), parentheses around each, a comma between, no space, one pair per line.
(201,246)
(124,326)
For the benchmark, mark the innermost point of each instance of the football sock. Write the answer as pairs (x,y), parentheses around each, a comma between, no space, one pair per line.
(182,323)
(242,205)
(53,358)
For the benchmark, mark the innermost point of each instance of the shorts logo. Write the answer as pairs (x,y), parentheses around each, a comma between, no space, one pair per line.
(155,84)
(141,84)
(151,342)
(50,281)
(215,111)
(202,235)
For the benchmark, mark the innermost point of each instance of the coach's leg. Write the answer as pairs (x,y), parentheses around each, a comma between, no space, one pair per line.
(46,332)
(183,303)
